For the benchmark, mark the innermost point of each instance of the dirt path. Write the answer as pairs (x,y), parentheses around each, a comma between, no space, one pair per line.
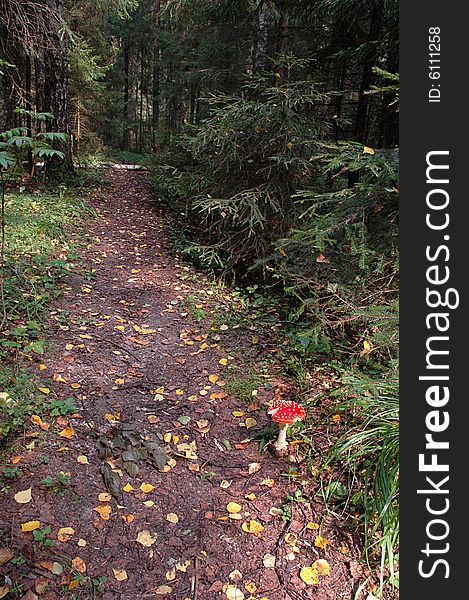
(155,433)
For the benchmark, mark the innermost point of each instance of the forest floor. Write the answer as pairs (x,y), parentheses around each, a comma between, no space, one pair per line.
(152,487)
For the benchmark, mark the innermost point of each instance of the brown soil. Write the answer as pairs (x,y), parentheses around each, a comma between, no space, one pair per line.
(129,333)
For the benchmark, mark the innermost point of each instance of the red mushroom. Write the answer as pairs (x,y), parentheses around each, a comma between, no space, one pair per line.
(285,412)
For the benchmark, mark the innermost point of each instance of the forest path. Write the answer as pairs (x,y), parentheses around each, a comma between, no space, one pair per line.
(155,453)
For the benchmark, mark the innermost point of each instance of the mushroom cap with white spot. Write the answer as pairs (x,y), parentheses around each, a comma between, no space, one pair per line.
(287,412)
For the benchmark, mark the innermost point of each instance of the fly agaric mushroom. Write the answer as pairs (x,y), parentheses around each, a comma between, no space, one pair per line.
(285,412)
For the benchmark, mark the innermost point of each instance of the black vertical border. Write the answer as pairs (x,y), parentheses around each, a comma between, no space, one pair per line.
(426,127)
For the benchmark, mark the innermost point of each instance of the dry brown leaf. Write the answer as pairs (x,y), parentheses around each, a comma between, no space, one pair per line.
(79,564)
(120,574)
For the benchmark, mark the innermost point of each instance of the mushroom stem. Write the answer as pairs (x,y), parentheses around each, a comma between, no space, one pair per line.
(281,443)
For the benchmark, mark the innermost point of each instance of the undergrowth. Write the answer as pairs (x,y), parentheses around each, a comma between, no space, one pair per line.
(42,234)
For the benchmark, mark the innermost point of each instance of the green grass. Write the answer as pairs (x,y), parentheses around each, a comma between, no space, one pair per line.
(42,233)
(367,455)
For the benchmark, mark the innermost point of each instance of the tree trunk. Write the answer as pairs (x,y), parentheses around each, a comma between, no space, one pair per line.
(56,82)
(361,130)
(156,71)
(126,119)
(140,119)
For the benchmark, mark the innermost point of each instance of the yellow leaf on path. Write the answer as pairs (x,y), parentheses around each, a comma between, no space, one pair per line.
(232,507)
(321,542)
(68,433)
(79,564)
(127,488)
(163,590)
(233,593)
(119,381)
(42,367)
(309,575)
(128,518)
(213,378)
(225,484)
(149,503)
(59,379)
(223,361)
(81,542)
(44,390)
(147,487)
(179,392)
(267,483)
(75,386)
(65,533)
(250,422)
(145,538)
(104,511)
(252,527)
(172,518)
(368,150)
(120,328)
(73,584)
(24,497)
(104,497)
(322,566)
(250,496)
(336,418)
(30,526)
(82,459)
(268,561)
(312,526)
(120,574)
(237,413)
(250,586)
(68,346)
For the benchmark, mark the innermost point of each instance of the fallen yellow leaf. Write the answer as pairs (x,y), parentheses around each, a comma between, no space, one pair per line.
(145,538)
(65,533)
(309,575)
(232,507)
(147,487)
(172,518)
(321,542)
(252,527)
(104,497)
(24,496)
(104,511)
(30,526)
(127,488)
(68,432)
(120,574)
(322,566)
